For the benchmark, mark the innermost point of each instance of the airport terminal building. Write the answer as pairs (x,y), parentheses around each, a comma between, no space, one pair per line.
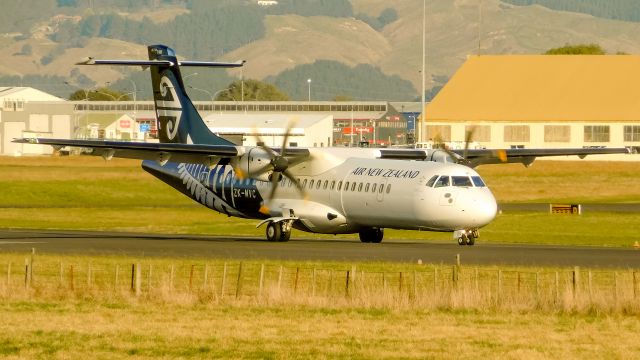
(541,101)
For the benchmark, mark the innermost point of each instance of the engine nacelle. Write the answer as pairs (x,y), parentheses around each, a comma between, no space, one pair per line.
(254,164)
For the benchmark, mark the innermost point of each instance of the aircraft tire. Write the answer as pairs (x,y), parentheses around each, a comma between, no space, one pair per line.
(371,235)
(462,240)
(471,240)
(284,235)
(274,232)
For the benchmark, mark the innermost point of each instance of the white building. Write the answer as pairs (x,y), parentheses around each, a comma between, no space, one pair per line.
(307,130)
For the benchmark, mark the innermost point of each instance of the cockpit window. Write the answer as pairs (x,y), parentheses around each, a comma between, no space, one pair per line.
(442,182)
(461,181)
(477,181)
(432,181)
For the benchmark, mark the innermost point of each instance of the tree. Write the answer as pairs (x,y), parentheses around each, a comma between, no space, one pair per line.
(581,49)
(254,90)
(100,94)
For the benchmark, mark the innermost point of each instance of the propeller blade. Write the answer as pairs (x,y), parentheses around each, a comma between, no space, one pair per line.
(275,177)
(287,133)
(295,182)
(468,136)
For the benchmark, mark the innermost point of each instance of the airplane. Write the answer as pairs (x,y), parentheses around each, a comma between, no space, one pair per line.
(318,190)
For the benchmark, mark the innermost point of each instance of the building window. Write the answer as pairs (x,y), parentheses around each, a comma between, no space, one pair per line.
(596,133)
(439,132)
(632,133)
(516,133)
(557,133)
(480,133)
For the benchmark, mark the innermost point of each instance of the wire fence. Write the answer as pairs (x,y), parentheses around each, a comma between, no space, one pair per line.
(430,286)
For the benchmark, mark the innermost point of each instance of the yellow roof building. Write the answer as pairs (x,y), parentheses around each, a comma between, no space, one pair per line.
(541,88)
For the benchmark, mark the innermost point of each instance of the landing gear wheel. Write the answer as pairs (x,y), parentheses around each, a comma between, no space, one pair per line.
(371,235)
(274,232)
(462,240)
(278,231)
(471,240)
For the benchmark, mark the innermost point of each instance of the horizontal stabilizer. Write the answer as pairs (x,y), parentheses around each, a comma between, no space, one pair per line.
(146,63)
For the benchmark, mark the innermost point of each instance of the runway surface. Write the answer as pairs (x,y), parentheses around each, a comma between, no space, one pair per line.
(109,243)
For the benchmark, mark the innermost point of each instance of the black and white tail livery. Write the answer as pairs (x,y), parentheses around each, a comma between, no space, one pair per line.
(178,120)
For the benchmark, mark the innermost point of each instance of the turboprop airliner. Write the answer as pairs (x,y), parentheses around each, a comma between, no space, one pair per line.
(319,190)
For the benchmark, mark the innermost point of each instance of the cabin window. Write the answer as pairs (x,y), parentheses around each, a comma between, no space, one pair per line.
(346,186)
(304,183)
(442,181)
(432,181)
(381,188)
(333,184)
(353,186)
(477,181)
(359,187)
(388,188)
(326,183)
(339,185)
(373,188)
(461,181)
(311,184)
(318,184)
(366,188)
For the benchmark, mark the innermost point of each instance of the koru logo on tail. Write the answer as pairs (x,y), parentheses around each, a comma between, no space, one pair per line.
(170,109)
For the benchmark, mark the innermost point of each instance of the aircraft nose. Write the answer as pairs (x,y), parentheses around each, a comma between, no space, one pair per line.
(482,208)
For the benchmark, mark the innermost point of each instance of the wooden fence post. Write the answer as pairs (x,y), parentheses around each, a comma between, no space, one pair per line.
(33,254)
(519,282)
(133,277)
(191,278)
(537,285)
(115,281)
(576,282)
(615,289)
(346,287)
(26,273)
(206,277)
(400,283)
(138,278)
(239,283)
(9,275)
(313,283)
(279,280)
(415,285)
(224,280)
(261,281)
(71,285)
(590,285)
(476,281)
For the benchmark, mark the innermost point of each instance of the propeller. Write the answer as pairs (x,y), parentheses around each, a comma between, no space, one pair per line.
(463,159)
(278,165)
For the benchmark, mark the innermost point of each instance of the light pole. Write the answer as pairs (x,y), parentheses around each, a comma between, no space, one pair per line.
(309,83)
(203,90)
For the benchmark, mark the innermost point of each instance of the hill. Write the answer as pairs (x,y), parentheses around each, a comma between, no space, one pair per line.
(287,37)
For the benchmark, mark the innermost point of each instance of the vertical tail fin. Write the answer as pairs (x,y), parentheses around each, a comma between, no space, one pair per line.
(178,119)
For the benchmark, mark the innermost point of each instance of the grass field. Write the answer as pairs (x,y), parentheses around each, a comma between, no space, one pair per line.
(87,193)
(85,311)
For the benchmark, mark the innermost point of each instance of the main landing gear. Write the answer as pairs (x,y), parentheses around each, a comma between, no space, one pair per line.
(279,231)
(466,237)
(371,235)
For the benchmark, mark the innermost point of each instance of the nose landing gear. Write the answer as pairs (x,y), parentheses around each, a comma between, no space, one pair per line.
(466,237)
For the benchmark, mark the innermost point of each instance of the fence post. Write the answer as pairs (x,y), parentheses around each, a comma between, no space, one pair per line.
(224,280)
(261,281)
(519,282)
(191,278)
(171,274)
(576,282)
(346,287)
(537,285)
(239,282)
(476,282)
(33,254)
(590,284)
(71,286)
(279,280)
(353,278)
(138,278)
(115,281)
(9,275)
(499,295)
(206,277)
(400,283)
(415,285)
(295,283)
(313,283)
(89,275)
(330,283)
(26,273)
(133,277)
(557,288)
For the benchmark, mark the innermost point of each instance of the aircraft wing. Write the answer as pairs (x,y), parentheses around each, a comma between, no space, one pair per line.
(477,157)
(191,153)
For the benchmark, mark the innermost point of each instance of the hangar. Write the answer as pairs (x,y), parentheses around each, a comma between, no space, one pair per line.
(538,101)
